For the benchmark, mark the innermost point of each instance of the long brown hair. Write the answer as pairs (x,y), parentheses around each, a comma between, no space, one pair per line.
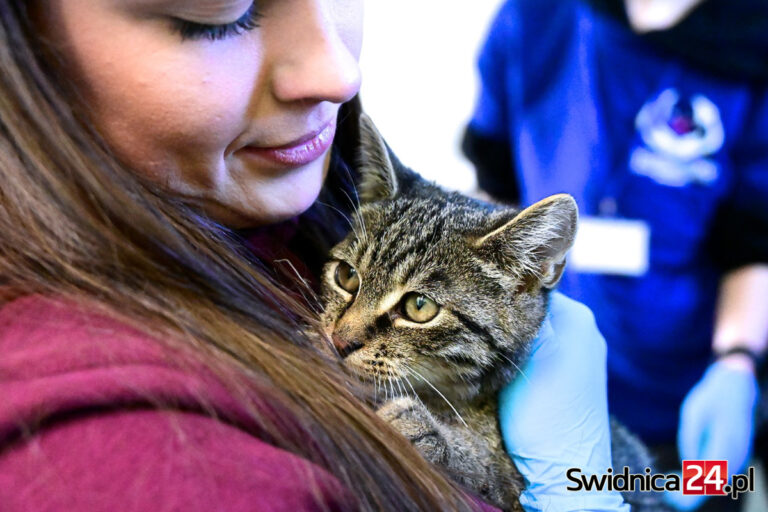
(75,222)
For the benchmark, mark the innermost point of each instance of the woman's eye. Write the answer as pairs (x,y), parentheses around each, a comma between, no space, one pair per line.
(420,308)
(347,277)
(191,30)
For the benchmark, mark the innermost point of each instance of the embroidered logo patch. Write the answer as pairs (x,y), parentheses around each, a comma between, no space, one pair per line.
(679,135)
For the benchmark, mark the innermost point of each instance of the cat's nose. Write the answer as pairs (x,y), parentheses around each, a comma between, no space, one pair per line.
(345,347)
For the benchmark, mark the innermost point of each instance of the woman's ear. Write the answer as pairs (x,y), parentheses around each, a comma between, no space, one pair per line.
(378,179)
(534,242)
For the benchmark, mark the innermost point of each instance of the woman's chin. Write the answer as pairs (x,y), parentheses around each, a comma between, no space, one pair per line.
(262,199)
(290,198)
(271,206)
(244,218)
(284,210)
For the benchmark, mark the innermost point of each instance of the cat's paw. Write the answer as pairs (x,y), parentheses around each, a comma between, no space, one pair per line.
(412,419)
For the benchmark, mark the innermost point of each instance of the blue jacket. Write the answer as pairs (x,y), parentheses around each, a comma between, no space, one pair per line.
(582,105)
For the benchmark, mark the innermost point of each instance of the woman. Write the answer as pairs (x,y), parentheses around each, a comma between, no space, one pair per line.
(150,361)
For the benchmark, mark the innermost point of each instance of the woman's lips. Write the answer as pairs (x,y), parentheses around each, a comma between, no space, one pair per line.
(299,152)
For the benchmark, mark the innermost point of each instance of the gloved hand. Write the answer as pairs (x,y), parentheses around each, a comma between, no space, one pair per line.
(555,415)
(716,422)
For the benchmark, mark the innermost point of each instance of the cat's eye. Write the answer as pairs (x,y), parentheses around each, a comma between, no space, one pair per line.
(420,308)
(347,277)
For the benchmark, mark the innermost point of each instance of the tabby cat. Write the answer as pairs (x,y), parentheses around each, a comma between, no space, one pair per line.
(434,299)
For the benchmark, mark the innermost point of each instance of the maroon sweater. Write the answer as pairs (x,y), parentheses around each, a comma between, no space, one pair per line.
(81,427)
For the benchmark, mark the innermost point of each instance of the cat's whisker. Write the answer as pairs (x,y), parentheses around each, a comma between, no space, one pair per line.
(382,383)
(361,379)
(520,370)
(353,183)
(389,380)
(375,386)
(402,384)
(391,383)
(417,374)
(400,391)
(345,217)
(400,387)
(356,211)
(387,387)
(413,390)
(337,210)
(355,205)
(415,395)
(312,300)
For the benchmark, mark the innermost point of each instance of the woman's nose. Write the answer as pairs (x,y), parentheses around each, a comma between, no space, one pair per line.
(315,63)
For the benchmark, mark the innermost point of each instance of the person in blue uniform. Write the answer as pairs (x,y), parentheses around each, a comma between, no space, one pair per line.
(654,116)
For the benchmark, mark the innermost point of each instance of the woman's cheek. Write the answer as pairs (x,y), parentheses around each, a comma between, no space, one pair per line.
(183,130)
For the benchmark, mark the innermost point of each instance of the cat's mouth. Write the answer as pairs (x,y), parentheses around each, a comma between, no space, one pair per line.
(374,372)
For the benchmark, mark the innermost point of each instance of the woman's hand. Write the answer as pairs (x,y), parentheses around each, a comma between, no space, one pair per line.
(716,423)
(554,416)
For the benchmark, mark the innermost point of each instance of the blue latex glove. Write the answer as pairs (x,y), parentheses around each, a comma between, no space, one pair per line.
(716,422)
(555,416)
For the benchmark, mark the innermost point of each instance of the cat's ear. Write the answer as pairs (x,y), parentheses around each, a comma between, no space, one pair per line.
(378,179)
(533,243)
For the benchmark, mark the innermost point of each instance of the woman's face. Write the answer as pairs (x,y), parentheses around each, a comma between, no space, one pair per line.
(229,103)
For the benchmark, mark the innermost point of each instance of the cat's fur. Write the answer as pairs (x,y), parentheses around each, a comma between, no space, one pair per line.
(490,268)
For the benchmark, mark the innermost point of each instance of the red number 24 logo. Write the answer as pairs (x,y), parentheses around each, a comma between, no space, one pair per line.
(705,477)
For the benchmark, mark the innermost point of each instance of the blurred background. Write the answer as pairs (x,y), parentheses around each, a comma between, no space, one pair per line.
(420,80)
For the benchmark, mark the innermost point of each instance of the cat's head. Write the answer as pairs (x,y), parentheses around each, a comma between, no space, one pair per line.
(435,286)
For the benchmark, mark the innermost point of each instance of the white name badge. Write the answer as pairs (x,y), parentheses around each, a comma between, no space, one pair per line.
(611,246)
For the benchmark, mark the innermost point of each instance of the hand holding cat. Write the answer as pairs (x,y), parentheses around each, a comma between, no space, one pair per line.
(716,422)
(555,416)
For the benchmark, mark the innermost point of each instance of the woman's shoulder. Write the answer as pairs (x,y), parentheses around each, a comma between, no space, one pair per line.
(29,321)
(61,356)
(95,414)
(61,344)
